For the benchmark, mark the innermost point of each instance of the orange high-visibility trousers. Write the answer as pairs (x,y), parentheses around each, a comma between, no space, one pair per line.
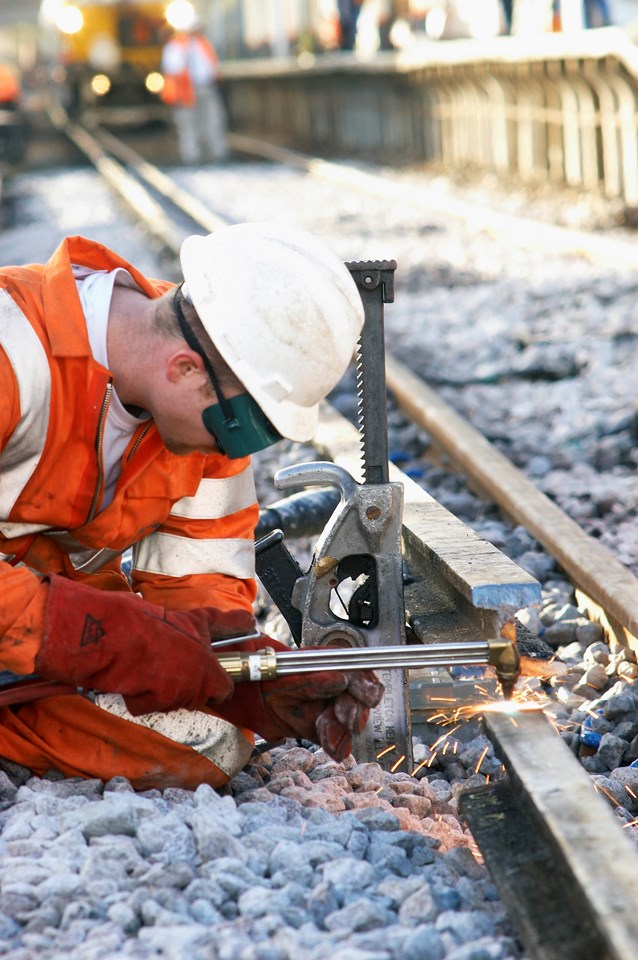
(79,739)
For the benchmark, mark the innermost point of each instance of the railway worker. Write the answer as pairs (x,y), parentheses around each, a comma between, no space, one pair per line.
(597,13)
(191,88)
(9,88)
(128,414)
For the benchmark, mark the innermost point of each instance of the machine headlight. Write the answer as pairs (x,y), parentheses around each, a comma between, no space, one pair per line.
(100,84)
(154,82)
(69,20)
(180,14)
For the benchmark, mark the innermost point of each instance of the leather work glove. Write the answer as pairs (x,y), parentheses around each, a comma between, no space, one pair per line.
(118,643)
(327,707)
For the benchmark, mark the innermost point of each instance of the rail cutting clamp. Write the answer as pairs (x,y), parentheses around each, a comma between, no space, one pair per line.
(359,550)
(352,595)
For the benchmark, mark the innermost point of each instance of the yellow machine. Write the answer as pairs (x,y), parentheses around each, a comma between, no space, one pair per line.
(107,53)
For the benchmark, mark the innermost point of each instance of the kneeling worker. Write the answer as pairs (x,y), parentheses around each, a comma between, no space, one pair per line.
(128,414)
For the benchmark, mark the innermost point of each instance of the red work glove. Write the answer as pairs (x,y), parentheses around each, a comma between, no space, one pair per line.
(119,643)
(328,707)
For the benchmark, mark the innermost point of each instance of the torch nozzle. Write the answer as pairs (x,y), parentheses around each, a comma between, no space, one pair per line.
(505,658)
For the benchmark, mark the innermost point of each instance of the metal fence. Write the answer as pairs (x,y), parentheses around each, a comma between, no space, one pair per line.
(552,107)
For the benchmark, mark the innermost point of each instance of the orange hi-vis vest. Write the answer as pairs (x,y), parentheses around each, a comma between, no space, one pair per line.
(179,89)
(9,85)
(190,519)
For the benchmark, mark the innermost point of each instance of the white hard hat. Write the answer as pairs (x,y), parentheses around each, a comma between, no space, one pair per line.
(283,311)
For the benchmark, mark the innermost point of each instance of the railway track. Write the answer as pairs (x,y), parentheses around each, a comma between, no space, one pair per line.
(470,589)
(605,584)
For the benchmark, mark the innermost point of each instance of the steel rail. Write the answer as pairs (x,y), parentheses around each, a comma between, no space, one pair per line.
(607,251)
(165,185)
(593,569)
(134,192)
(566,871)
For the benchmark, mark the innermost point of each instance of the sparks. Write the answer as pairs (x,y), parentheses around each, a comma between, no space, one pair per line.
(422,764)
(481,759)
(609,795)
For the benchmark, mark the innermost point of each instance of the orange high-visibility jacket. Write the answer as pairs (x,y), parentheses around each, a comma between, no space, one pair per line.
(179,89)
(190,519)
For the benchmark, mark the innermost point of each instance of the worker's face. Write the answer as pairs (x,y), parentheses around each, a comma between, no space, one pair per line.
(185,395)
(233,420)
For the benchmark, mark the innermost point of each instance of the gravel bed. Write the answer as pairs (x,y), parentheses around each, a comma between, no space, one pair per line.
(300,853)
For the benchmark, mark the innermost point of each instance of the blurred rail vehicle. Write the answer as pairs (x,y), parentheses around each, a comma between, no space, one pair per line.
(106,55)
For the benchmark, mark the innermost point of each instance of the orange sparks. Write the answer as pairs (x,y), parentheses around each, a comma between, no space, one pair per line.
(609,795)
(387,750)
(397,764)
(441,739)
(439,718)
(631,792)
(422,764)
(481,759)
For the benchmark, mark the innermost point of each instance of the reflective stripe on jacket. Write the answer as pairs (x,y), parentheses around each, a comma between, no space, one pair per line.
(191,518)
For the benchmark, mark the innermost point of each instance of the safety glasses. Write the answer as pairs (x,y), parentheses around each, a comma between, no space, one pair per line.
(237,424)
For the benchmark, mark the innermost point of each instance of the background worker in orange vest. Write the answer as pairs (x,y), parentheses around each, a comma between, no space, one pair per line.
(9,88)
(191,87)
(128,412)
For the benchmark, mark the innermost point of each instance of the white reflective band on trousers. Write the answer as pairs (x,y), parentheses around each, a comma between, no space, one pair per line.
(26,354)
(215,739)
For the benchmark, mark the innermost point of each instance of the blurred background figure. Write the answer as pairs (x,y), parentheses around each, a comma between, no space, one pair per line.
(191,88)
(506,6)
(349,11)
(9,87)
(597,13)
(14,129)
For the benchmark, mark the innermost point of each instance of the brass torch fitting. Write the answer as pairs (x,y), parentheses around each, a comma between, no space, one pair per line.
(503,655)
(254,665)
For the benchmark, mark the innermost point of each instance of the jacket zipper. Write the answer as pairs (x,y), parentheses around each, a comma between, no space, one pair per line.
(99,442)
(136,445)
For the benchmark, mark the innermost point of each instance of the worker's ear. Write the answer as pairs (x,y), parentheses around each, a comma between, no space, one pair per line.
(184,363)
